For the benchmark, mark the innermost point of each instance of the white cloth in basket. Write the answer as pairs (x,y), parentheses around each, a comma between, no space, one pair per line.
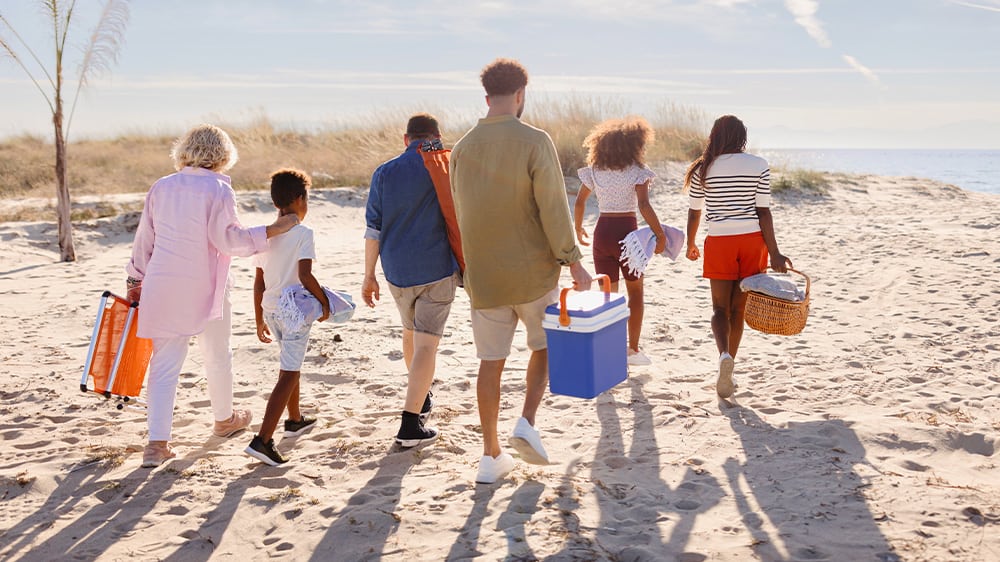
(773,286)
(638,247)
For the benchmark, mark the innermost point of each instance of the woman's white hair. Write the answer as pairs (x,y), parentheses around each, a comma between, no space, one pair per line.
(205,146)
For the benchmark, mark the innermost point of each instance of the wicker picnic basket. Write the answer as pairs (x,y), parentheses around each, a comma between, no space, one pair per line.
(771,315)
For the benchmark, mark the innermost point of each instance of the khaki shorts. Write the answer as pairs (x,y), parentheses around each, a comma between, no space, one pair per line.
(493,328)
(425,308)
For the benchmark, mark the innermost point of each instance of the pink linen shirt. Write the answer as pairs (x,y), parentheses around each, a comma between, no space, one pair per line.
(182,248)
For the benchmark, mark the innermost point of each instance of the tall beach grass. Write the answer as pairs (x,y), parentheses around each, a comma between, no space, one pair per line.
(340,154)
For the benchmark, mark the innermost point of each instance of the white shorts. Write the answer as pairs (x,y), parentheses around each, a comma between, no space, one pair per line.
(293,345)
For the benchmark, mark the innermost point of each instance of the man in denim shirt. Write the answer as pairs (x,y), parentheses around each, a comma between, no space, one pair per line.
(406,228)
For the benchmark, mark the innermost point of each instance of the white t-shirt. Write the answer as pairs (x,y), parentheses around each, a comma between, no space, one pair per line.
(281,262)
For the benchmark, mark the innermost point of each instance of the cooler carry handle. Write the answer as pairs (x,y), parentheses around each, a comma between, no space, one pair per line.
(564,314)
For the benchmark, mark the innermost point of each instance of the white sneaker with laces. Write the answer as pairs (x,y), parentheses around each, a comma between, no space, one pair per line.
(528,443)
(725,386)
(493,469)
(638,358)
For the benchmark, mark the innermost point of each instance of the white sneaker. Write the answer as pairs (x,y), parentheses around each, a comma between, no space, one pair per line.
(725,386)
(493,469)
(528,443)
(638,358)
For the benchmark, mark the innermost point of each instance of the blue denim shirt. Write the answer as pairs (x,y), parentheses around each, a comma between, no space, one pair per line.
(404,215)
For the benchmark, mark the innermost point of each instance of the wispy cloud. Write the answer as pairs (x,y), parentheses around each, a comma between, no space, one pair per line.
(864,70)
(992,6)
(805,15)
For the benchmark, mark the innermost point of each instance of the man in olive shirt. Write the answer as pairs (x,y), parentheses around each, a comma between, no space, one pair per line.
(517,234)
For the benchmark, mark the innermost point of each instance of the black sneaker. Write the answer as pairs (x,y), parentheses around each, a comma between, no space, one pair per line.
(425,411)
(295,428)
(265,452)
(412,432)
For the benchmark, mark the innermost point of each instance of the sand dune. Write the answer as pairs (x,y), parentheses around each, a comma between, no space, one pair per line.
(872,435)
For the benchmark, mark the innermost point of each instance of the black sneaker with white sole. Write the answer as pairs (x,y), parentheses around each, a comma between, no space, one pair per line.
(413,432)
(294,428)
(265,452)
(425,411)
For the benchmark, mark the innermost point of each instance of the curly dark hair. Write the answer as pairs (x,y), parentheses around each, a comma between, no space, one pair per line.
(503,77)
(288,184)
(616,144)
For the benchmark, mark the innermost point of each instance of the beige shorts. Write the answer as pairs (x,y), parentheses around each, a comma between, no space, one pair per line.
(425,308)
(493,328)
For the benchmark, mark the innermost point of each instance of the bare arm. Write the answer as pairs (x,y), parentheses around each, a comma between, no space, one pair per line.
(578,209)
(258,311)
(694,218)
(312,285)
(369,287)
(778,261)
(649,215)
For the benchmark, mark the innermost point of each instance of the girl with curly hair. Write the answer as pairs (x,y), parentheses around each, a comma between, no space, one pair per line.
(619,178)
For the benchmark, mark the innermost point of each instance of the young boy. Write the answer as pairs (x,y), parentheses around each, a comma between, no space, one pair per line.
(287,262)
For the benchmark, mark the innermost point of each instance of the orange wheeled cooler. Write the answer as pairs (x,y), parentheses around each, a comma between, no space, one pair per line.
(117,358)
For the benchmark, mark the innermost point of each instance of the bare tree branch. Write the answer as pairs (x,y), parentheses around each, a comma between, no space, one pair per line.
(31,52)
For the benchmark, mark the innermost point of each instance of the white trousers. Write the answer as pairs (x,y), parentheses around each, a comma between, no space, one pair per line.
(165,369)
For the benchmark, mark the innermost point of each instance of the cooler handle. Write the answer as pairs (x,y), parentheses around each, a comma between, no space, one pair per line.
(564,314)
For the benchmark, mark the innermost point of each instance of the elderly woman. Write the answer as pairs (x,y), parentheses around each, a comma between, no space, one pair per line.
(180,266)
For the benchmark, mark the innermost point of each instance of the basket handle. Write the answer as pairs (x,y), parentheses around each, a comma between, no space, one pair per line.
(808,281)
(564,314)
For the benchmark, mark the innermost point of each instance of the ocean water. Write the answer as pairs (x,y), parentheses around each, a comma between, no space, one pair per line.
(974,170)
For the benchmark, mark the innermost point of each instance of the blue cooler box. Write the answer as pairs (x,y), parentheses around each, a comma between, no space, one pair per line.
(590,354)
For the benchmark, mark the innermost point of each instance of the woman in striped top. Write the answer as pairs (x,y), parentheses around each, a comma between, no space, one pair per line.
(736,197)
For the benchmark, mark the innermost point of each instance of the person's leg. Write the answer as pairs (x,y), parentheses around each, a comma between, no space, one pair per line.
(607,254)
(722,297)
(161,385)
(636,309)
(536,379)
(737,313)
(288,383)
(292,404)
(214,343)
(493,332)
(488,399)
(421,372)
(408,348)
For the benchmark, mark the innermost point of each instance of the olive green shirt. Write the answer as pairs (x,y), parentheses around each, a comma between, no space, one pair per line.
(510,199)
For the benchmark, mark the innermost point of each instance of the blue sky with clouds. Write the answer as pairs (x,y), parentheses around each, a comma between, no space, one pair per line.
(801,73)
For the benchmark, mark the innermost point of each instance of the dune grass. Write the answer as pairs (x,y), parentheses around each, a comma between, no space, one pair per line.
(798,179)
(340,155)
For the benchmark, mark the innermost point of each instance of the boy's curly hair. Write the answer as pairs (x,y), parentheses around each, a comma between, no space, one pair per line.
(616,144)
(503,77)
(288,184)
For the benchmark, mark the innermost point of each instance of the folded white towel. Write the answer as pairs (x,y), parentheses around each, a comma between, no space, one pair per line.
(638,247)
(297,307)
(778,288)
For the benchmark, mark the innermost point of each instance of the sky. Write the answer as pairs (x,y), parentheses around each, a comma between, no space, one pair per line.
(800,73)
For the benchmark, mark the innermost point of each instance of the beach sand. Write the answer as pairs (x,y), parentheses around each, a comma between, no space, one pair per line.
(872,435)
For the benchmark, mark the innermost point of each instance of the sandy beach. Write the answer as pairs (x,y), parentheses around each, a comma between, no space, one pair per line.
(872,435)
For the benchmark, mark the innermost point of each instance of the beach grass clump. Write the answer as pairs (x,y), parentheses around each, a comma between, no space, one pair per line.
(798,179)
